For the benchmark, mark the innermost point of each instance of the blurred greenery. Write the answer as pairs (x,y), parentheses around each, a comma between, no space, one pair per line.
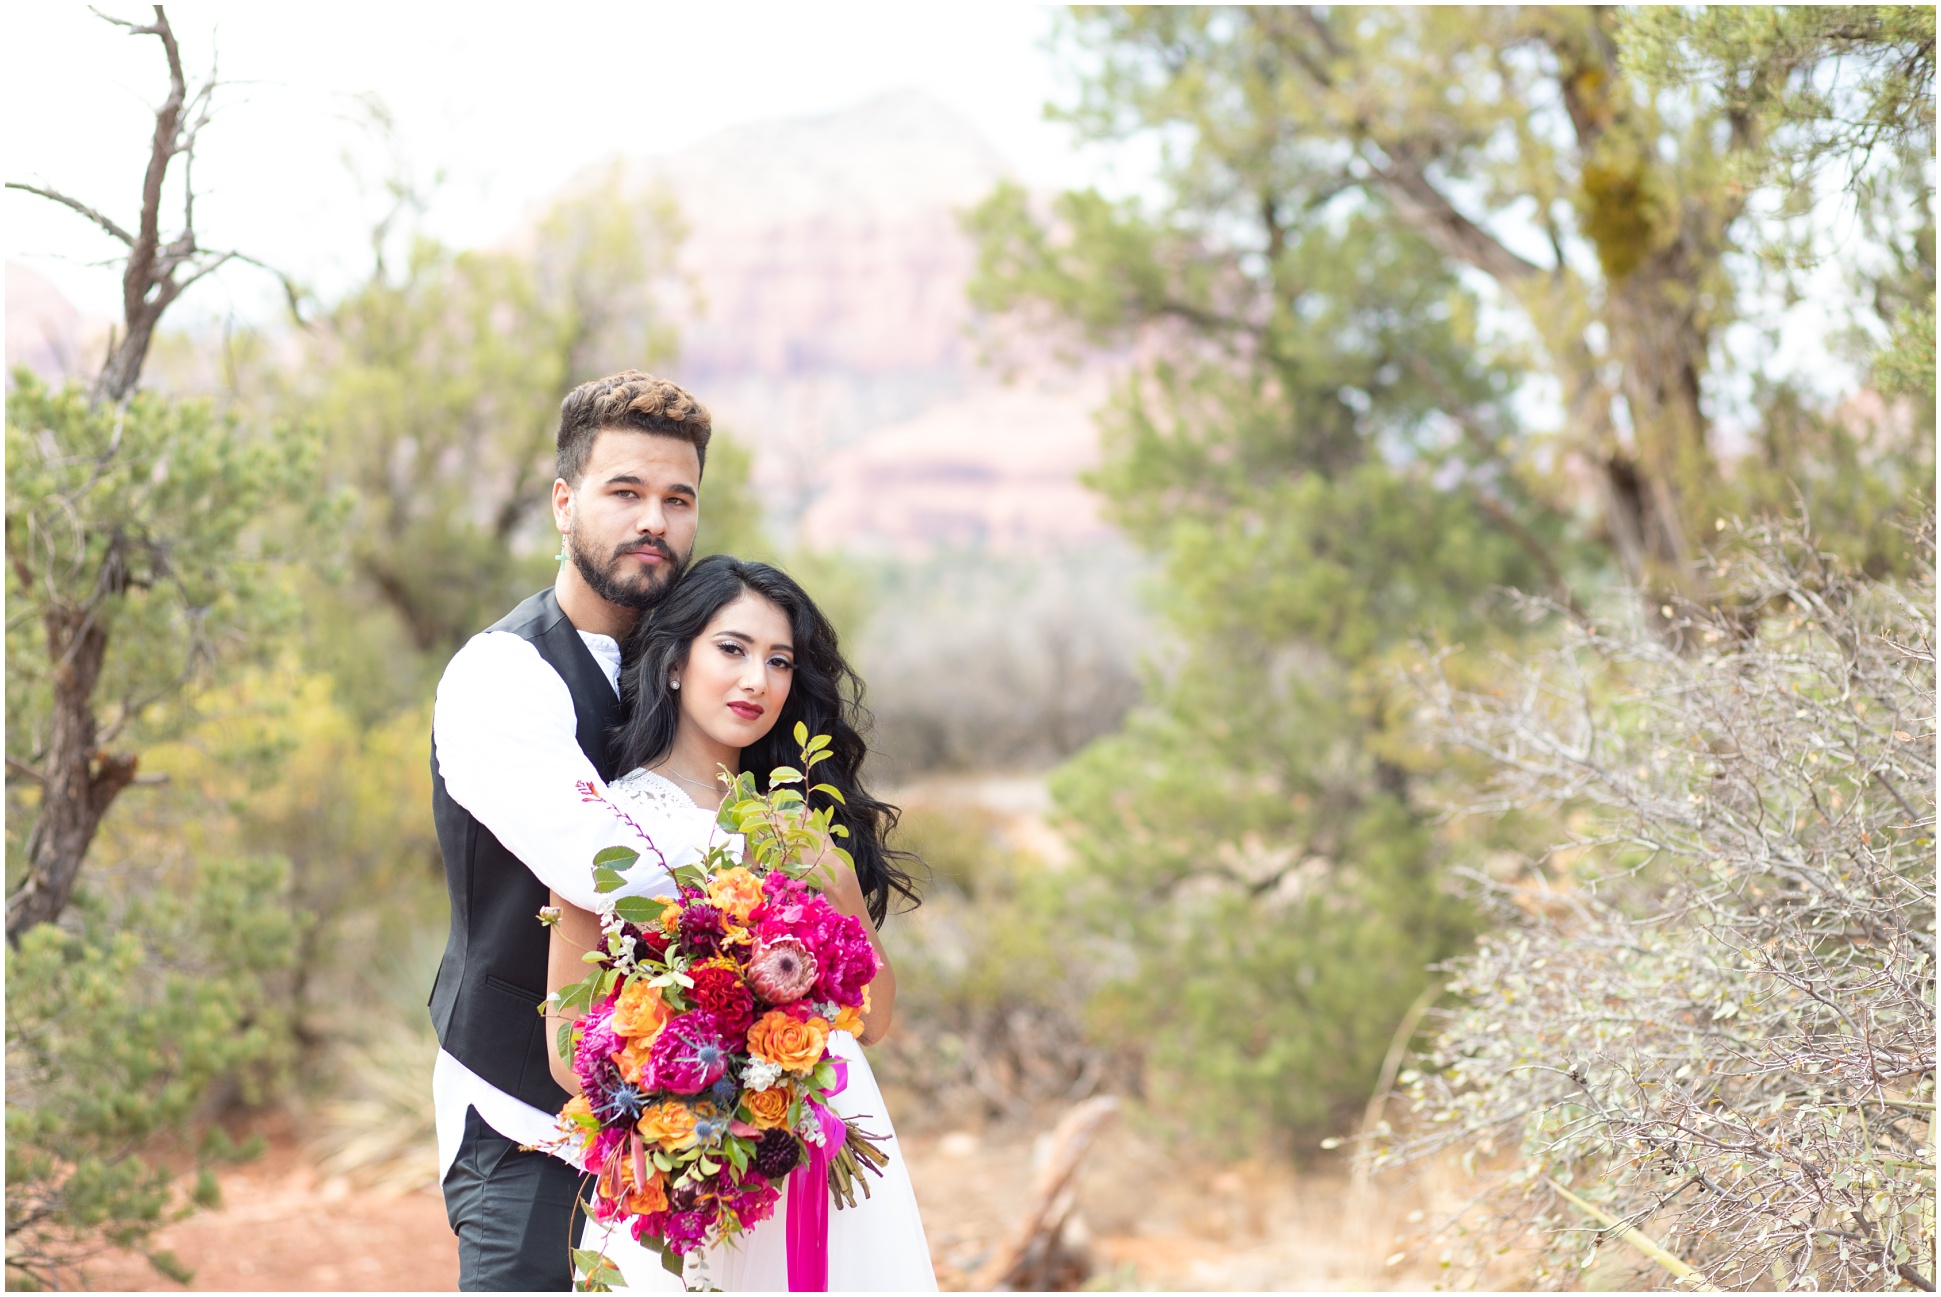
(1352,410)
(1324,437)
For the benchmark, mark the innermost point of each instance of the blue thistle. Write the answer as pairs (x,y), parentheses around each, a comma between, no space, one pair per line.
(623,1100)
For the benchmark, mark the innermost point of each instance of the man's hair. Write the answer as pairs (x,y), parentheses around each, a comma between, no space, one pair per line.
(629,399)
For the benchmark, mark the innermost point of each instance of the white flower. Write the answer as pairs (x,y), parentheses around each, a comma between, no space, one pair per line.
(760,1074)
(810,1128)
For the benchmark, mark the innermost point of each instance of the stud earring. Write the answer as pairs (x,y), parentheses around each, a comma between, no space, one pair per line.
(673,684)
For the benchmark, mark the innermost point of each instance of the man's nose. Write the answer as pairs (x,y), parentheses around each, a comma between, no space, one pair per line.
(652,520)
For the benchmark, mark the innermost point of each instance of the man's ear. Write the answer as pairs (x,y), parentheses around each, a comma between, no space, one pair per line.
(562,505)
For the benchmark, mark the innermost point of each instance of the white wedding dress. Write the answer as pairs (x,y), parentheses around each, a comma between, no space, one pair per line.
(875,1246)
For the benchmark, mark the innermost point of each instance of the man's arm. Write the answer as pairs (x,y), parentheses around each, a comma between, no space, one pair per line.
(505,736)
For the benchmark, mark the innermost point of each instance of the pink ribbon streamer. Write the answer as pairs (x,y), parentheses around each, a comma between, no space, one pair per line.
(808,1227)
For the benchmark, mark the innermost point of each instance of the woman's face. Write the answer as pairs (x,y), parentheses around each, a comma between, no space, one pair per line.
(738,672)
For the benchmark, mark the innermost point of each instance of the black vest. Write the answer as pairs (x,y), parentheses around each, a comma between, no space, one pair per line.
(485,1003)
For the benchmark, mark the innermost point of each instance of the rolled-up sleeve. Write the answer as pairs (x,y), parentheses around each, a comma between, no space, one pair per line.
(504,734)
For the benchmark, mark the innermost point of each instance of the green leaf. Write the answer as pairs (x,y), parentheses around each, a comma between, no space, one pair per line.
(563,1042)
(835,793)
(639,910)
(709,1166)
(616,857)
(802,734)
(784,775)
(605,880)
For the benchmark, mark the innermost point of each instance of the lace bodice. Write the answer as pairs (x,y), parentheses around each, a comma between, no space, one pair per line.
(643,790)
(669,817)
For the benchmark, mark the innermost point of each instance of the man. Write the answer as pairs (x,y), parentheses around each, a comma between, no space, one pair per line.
(519,724)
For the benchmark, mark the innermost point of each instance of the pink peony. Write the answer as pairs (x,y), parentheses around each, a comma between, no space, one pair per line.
(689,1055)
(781,969)
(847,962)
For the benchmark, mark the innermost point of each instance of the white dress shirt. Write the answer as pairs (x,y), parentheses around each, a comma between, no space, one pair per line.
(505,735)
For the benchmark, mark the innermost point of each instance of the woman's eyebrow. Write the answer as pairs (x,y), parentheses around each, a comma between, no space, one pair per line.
(782,646)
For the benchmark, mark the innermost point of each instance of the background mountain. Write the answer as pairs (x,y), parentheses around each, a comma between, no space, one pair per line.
(826,326)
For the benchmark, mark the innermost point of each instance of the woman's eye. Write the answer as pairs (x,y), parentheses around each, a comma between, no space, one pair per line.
(729,647)
(781,664)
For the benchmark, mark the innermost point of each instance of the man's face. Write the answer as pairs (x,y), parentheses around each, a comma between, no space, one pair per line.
(629,525)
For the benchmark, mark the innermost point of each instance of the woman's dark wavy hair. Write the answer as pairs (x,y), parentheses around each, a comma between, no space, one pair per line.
(825,695)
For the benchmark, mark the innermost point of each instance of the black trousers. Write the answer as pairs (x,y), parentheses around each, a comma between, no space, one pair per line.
(513,1214)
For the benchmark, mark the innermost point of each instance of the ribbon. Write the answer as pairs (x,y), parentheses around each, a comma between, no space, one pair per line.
(808,1227)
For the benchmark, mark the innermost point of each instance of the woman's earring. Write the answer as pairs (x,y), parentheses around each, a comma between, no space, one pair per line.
(673,684)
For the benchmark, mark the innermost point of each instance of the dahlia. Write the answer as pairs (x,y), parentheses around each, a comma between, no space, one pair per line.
(702,928)
(776,1154)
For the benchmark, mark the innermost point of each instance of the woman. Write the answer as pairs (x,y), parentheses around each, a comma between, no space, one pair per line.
(718,678)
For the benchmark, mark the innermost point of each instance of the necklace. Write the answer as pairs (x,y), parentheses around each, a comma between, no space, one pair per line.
(712,788)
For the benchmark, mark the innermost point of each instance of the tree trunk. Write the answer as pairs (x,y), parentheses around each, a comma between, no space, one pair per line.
(78,782)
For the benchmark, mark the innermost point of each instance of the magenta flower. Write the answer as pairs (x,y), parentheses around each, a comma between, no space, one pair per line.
(756,1201)
(847,961)
(685,1231)
(689,1055)
(781,970)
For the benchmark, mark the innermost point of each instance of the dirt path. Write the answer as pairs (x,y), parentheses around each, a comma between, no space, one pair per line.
(1152,1225)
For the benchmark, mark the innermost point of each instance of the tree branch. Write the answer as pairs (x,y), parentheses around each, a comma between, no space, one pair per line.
(97,217)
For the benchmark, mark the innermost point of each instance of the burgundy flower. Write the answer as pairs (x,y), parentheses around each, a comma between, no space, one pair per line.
(702,928)
(781,970)
(776,1154)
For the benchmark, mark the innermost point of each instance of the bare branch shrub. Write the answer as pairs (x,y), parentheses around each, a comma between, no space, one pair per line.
(983,661)
(1708,1018)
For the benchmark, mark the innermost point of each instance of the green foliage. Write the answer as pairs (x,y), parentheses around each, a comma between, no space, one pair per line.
(439,385)
(1840,95)
(994,972)
(731,515)
(1251,848)
(115,1034)
(159,522)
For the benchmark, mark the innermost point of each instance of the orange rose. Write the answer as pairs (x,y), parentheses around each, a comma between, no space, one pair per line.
(669,1125)
(851,1020)
(737,891)
(768,1109)
(790,1045)
(639,1012)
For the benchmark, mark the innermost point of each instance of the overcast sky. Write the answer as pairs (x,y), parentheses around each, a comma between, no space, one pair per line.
(507,100)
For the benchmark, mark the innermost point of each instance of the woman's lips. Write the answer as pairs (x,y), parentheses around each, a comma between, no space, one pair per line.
(747,711)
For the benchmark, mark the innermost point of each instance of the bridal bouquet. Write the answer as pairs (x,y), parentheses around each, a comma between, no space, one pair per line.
(702,1038)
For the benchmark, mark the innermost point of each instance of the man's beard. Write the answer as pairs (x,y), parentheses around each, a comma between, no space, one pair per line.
(650,589)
